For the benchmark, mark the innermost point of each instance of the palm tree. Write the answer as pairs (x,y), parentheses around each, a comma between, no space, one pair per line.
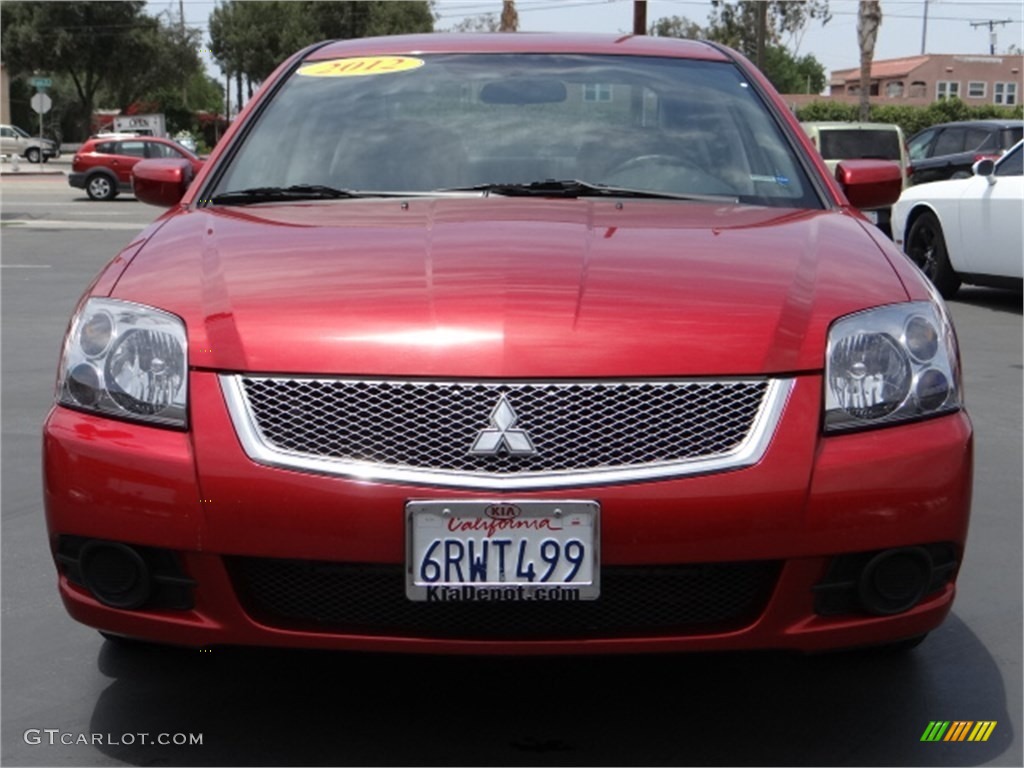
(869,19)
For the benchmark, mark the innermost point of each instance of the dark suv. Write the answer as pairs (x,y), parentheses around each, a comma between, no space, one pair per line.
(103,165)
(948,150)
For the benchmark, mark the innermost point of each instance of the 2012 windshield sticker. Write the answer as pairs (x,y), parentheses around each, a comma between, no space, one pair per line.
(362,66)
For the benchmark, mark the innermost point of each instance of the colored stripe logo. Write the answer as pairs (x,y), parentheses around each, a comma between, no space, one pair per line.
(958,730)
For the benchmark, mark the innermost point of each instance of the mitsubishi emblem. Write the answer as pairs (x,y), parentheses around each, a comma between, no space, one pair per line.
(501,434)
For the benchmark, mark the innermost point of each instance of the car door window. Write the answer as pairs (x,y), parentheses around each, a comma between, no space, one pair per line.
(918,146)
(162,150)
(132,149)
(7,133)
(950,141)
(1012,164)
(977,139)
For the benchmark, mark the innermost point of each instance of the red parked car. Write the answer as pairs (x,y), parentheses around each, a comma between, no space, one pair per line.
(520,344)
(102,166)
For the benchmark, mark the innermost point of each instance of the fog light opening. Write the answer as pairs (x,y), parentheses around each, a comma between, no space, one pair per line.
(116,574)
(894,581)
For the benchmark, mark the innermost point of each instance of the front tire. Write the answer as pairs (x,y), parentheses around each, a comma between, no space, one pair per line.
(101,187)
(33,155)
(926,247)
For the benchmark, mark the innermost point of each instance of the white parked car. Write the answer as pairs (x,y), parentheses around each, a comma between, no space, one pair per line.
(967,230)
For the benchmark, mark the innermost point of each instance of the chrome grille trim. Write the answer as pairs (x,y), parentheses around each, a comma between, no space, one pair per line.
(748,451)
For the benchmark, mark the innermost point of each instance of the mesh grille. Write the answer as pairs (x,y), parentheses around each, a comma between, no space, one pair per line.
(370,599)
(572,426)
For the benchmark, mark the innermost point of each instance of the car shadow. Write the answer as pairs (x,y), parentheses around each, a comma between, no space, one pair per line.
(991,298)
(267,707)
(123,197)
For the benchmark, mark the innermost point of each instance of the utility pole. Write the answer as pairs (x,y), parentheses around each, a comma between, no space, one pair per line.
(639,17)
(924,27)
(762,33)
(991,24)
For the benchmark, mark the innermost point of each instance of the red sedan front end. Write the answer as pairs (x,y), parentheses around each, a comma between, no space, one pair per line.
(406,390)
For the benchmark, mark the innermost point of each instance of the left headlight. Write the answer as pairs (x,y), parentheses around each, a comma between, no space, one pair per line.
(126,360)
(891,364)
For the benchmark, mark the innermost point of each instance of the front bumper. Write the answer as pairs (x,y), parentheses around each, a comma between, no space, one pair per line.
(240,532)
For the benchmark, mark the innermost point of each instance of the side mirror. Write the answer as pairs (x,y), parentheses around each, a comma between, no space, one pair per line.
(162,182)
(870,183)
(985,167)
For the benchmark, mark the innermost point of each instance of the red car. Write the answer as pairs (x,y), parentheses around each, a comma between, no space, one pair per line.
(102,166)
(519,344)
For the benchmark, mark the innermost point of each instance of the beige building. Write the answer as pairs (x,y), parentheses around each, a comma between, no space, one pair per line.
(920,80)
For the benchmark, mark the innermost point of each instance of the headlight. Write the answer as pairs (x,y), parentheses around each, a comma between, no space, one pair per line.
(890,364)
(126,360)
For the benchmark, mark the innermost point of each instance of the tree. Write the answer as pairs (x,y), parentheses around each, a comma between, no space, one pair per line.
(509,17)
(790,74)
(249,39)
(100,46)
(869,19)
(486,22)
(677,26)
(786,72)
(736,24)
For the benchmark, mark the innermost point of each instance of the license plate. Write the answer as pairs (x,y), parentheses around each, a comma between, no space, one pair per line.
(502,551)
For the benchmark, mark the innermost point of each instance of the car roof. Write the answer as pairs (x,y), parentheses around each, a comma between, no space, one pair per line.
(992,122)
(542,42)
(842,124)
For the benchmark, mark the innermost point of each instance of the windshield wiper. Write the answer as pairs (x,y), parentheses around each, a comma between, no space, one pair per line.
(572,188)
(294,192)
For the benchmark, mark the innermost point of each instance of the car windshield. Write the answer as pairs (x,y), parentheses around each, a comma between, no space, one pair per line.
(446,122)
(20,132)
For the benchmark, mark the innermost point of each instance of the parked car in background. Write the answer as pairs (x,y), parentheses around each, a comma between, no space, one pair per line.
(949,150)
(15,141)
(967,230)
(519,344)
(103,165)
(838,141)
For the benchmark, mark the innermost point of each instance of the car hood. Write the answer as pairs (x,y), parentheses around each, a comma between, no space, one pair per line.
(507,287)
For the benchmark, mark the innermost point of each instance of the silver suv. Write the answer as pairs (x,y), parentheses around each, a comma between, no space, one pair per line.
(15,141)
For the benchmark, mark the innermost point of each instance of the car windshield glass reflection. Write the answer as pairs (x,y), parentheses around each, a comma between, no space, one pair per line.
(680,128)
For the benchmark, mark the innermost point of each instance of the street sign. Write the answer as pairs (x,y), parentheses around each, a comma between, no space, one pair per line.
(41,82)
(41,103)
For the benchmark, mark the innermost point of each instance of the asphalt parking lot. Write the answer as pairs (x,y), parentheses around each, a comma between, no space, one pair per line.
(71,698)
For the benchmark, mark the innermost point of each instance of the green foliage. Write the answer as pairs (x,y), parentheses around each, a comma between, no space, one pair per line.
(792,75)
(109,52)
(252,38)
(678,26)
(735,23)
(910,119)
(786,72)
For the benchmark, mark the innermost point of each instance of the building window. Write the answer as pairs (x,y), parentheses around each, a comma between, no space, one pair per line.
(947,89)
(597,92)
(977,89)
(894,89)
(918,89)
(1005,93)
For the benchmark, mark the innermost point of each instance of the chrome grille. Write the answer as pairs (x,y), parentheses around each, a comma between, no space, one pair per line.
(423,431)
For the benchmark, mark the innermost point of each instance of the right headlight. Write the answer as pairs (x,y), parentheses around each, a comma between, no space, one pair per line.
(126,360)
(891,364)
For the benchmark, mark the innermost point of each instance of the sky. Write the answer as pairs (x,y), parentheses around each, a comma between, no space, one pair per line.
(949,28)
